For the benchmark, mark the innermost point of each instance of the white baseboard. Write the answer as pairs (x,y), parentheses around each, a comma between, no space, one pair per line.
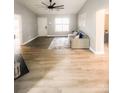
(42,35)
(30,40)
(96,52)
(56,35)
(92,50)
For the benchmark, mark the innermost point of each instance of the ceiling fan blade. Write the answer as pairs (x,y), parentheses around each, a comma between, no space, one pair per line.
(50,2)
(53,4)
(59,6)
(44,4)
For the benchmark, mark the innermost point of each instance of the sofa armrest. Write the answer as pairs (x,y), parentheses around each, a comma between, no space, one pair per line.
(80,43)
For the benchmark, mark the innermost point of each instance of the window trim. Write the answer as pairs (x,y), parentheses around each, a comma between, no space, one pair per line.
(62,24)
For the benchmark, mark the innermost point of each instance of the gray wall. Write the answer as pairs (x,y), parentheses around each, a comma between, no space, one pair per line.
(89,9)
(51,19)
(29,22)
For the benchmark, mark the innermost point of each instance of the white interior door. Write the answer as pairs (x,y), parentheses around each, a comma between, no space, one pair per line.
(42,26)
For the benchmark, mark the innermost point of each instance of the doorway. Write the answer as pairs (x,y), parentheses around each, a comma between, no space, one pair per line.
(17,33)
(42,26)
(106,29)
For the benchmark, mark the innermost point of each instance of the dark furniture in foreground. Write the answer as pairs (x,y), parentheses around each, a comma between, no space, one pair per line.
(20,68)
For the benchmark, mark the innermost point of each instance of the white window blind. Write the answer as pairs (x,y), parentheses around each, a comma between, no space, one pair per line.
(61,24)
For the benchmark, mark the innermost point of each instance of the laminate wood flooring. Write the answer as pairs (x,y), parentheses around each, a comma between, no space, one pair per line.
(63,71)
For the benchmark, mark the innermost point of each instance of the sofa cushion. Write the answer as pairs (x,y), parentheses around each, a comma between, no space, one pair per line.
(75,33)
(77,36)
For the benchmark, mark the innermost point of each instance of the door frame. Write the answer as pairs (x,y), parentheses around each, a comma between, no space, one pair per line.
(39,29)
(17,16)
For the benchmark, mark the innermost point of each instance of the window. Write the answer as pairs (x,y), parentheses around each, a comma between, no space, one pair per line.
(61,24)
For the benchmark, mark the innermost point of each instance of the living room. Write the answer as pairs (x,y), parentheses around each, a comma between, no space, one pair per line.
(44,23)
(63,70)
(63,42)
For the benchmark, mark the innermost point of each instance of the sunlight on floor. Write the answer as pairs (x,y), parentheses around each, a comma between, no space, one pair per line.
(59,43)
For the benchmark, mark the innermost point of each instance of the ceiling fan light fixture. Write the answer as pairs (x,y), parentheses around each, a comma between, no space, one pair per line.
(52,6)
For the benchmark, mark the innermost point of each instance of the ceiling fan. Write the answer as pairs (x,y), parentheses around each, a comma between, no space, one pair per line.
(53,5)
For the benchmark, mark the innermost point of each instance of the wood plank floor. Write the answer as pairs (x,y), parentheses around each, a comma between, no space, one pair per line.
(63,71)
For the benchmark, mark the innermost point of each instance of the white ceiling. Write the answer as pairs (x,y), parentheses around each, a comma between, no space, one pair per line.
(70,6)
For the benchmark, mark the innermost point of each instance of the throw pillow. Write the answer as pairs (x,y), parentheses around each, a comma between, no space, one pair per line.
(81,35)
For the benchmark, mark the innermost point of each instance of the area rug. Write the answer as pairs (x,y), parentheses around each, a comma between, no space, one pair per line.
(60,43)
